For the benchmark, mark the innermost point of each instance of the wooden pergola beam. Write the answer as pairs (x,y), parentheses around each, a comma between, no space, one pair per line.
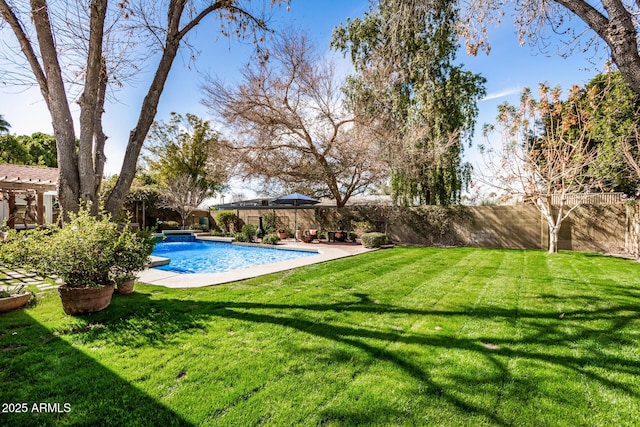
(7,185)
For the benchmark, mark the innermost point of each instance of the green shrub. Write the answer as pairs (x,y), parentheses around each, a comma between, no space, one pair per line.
(199,227)
(22,249)
(225,220)
(167,225)
(270,239)
(131,254)
(249,232)
(270,222)
(374,240)
(87,251)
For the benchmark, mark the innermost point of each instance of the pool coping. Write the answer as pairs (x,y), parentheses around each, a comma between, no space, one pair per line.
(325,252)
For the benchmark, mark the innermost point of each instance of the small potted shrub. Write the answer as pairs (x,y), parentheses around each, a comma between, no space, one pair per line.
(12,297)
(131,256)
(282,233)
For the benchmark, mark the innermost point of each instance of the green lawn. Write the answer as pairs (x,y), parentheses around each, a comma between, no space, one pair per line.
(406,336)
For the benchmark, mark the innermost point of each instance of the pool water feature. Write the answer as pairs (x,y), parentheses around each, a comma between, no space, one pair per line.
(189,255)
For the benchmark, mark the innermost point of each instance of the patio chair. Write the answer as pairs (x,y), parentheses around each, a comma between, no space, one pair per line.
(313,231)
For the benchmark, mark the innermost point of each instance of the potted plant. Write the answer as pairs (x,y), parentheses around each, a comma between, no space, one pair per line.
(12,297)
(282,233)
(131,256)
(83,253)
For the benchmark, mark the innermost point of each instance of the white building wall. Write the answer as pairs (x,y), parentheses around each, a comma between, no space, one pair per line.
(48,208)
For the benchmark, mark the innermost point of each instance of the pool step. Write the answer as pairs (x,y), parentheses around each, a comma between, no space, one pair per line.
(157,261)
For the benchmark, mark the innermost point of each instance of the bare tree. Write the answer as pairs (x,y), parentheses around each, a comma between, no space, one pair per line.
(183,195)
(290,124)
(552,160)
(55,37)
(612,22)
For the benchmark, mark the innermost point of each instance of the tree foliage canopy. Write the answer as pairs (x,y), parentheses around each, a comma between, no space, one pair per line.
(613,108)
(408,89)
(4,125)
(37,149)
(186,146)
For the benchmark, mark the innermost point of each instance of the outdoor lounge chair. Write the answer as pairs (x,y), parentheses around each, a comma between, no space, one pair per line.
(313,231)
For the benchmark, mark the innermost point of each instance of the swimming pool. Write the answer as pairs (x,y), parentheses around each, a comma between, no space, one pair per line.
(189,255)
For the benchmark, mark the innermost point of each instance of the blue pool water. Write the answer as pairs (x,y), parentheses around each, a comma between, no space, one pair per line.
(196,256)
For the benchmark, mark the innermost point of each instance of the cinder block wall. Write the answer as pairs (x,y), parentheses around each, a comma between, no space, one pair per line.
(594,228)
(588,228)
(517,227)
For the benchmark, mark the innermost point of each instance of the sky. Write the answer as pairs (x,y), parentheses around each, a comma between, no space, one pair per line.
(508,69)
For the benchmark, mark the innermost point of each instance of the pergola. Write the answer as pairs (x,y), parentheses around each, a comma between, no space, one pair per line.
(16,179)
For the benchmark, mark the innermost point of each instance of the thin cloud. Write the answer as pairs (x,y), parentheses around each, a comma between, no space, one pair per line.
(501,94)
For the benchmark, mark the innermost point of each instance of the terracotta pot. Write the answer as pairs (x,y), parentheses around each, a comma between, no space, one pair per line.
(283,236)
(126,287)
(307,238)
(85,300)
(14,301)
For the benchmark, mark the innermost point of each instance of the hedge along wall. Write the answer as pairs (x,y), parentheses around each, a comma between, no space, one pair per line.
(600,228)
(603,228)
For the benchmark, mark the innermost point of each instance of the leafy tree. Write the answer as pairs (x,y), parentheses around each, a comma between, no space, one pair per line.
(610,108)
(614,25)
(37,149)
(42,149)
(4,125)
(75,50)
(13,151)
(545,153)
(186,146)
(421,105)
(291,127)
(613,110)
(142,190)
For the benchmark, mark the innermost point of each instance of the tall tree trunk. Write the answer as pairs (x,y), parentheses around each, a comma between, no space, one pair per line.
(139,133)
(150,104)
(89,102)
(81,167)
(553,239)
(100,138)
(621,37)
(62,121)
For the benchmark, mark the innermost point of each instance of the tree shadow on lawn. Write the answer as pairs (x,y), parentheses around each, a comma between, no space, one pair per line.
(61,375)
(543,334)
